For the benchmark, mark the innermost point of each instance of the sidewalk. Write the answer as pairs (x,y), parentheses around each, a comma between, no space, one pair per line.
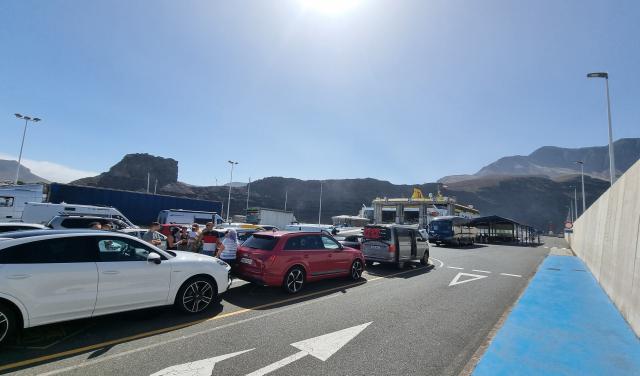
(564,324)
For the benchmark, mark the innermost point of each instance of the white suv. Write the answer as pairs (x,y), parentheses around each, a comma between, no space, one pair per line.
(49,276)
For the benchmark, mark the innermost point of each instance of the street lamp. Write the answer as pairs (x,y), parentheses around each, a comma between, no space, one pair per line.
(232,163)
(27,119)
(612,162)
(584,205)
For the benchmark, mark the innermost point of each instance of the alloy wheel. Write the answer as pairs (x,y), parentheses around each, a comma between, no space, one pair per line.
(295,280)
(4,326)
(197,296)
(356,270)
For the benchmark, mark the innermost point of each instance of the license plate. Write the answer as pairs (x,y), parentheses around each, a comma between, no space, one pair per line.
(245,260)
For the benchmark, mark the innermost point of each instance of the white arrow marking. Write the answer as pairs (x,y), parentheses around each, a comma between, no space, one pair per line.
(474,277)
(199,368)
(322,347)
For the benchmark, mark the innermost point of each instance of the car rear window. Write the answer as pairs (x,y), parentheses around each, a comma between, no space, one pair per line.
(377,233)
(263,242)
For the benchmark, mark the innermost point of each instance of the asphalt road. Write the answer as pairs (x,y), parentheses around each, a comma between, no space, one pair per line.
(416,321)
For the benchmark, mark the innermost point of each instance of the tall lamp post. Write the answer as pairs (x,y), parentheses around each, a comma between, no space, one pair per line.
(612,162)
(232,163)
(27,119)
(584,205)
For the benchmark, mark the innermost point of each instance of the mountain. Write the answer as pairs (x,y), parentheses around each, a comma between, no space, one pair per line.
(553,162)
(8,173)
(534,200)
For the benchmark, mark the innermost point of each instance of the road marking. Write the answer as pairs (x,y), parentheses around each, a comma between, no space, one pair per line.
(111,343)
(546,247)
(322,347)
(511,275)
(480,271)
(441,263)
(474,277)
(455,267)
(199,368)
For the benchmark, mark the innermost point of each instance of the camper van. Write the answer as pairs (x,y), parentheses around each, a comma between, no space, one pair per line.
(14,197)
(187,217)
(394,244)
(43,212)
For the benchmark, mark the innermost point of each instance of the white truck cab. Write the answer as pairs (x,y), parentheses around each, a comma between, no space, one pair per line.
(13,199)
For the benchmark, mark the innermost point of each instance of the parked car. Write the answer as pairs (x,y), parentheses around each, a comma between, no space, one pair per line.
(62,222)
(394,244)
(139,233)
(49,276)
(291,259)
(19,226)
(351,241)
(325,229)
(44,212)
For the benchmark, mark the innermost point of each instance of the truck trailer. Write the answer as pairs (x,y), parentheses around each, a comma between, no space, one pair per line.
(273,217)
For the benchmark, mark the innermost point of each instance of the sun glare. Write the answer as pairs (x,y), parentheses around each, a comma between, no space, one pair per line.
(330,7)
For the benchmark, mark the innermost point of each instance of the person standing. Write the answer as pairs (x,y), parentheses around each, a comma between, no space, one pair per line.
(210,240)
(152,236)
(182,237)
(230,246)
(194,235)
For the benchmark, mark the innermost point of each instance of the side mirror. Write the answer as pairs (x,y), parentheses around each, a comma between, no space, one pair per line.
(154,258)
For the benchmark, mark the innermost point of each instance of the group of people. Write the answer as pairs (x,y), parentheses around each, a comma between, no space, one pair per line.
(207,241)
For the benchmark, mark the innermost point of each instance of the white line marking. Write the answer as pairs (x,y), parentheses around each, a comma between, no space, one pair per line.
(455,267)
(435,259)
(474,277)
(90,362)
(511,275)
(202,367)
(546,247)
(322,347)
(480,271)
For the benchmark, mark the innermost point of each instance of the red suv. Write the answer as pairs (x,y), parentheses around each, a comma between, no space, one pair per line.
(290,259)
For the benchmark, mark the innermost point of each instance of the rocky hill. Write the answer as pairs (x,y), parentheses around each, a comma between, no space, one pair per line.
(535,200)
(553,162)
(8,173)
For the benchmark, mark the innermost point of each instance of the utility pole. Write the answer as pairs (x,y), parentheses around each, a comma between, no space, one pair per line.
(584,205)
(248,192)
(155,187)
(148,180)
(612,162)
(232,163)
(286,194)
(27,119)
(575,200)
(320,209)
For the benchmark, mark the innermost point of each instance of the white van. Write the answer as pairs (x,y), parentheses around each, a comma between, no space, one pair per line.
(43,212)
(14,197)
(187,217)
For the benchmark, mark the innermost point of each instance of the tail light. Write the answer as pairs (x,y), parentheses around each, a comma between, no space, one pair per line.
(392,248)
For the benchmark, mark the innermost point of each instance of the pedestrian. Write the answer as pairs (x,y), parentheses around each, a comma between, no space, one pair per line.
(210,240)
(107,226)
(194,234)
(230,246)
(95,226)
(172,237)
(152,236)
(182,242)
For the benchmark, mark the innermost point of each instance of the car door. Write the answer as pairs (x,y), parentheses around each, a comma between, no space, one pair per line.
(339,260)
(126,279)
(56,279)
(308,250)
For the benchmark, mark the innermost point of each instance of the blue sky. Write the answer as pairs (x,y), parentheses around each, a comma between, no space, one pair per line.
(406,91)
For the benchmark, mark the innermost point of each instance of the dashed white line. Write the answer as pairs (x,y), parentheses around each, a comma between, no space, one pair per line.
(480,271)
(455,267)
(511,275)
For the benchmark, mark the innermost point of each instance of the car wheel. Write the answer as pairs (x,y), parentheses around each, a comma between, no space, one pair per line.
(425,258)
(196,294)
(356,270)
(294,280)
(8,324)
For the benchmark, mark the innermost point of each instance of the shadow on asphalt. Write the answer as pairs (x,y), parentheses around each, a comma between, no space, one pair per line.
(57,338)
(474,246)
(410,270)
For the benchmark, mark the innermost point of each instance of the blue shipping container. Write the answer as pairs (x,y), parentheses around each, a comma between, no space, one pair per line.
(140,208)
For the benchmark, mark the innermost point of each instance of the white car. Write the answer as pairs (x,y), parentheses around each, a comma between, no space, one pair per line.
(48,276)
(139,233)
(20,226)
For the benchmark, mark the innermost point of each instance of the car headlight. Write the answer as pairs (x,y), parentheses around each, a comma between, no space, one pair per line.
(222,263)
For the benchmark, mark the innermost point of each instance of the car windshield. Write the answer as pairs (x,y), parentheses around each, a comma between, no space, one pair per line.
(439,226)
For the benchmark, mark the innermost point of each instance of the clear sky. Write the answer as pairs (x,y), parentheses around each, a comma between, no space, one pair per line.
(406,91)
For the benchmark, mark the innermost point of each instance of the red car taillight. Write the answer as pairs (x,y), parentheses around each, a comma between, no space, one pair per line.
(392,248)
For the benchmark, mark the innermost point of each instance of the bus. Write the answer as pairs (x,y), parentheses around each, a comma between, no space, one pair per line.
(452,230)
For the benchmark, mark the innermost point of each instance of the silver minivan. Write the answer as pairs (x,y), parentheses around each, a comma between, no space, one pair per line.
(394,244)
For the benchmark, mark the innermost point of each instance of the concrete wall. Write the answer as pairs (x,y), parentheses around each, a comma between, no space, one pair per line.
(607,238)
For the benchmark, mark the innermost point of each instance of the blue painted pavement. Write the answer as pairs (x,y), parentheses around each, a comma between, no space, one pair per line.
(564,324)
